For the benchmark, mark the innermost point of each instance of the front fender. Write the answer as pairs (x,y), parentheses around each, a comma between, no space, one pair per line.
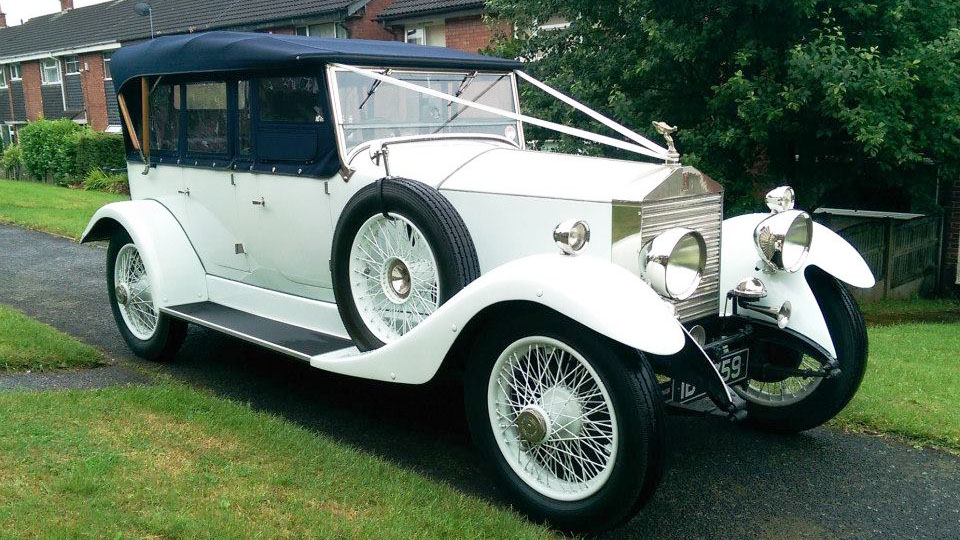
(828,251)
(598,294)
(176,273)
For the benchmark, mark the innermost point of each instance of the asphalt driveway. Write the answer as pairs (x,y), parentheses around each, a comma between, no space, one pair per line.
(723,481)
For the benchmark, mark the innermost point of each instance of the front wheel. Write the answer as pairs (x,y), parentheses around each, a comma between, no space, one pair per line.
(569,421)
(149,334)
(793,404)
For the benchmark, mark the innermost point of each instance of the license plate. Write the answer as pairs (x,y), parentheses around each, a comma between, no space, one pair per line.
(732,367)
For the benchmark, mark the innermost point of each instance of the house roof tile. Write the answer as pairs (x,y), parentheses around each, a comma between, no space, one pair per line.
(401,9)
(116,21)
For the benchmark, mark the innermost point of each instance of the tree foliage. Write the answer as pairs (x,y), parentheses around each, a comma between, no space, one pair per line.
(851,102)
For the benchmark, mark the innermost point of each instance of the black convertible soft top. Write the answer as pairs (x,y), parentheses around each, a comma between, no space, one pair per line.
(218,51)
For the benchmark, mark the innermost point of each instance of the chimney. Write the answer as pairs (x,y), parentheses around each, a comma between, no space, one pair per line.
(66,4)
(3,19)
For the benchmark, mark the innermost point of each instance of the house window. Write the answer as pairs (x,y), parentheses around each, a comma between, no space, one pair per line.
(165,117)
(3,76)
(50,71)
(15,72)
(207,118)
(106,67)
(72,65)
(324,30)
(433,33)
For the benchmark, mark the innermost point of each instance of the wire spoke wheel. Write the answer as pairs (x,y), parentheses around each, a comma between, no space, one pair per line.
(394,276)
(784,392)
(133,293)
(552,418)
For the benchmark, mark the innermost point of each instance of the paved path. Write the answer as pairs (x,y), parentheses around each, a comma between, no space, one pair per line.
(724,481)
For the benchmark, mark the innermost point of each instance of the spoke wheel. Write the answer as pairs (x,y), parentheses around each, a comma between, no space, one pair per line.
(784,392)
(133,294)
(394,277)
(552,418)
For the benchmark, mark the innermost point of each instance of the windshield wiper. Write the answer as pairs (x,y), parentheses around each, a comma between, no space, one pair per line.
(467,80)
(465,107)
(373,88)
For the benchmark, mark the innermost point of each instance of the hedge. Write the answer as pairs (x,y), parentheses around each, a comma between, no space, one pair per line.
(65,152)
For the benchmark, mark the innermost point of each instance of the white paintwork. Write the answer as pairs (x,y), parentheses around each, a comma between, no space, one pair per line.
(212,220)
(295,310)
(829,252)
(176,275)
(598,294)
(556,176)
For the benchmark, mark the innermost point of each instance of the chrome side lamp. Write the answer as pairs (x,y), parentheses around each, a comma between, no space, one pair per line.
(751,289)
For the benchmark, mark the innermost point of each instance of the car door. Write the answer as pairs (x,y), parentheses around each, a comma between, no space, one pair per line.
(210,192)
(283,199)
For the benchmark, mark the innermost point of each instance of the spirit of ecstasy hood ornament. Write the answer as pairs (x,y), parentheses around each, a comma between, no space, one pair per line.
(666,130)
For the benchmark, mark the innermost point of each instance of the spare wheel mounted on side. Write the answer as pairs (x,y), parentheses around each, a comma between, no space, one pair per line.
(400,251)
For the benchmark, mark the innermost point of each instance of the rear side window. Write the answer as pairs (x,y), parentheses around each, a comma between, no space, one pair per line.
(291,100)
(165,117)
(207,118)
(244,120)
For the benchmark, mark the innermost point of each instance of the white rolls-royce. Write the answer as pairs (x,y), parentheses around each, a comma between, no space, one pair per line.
(371,208)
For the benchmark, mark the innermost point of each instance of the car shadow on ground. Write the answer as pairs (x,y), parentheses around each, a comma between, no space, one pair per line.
(722,480)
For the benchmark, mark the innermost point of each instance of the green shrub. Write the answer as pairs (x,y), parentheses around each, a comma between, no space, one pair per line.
(95,150)
(97,180)
(12,161)
(48,149)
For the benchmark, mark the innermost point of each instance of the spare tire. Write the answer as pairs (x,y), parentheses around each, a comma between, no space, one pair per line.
(400,250)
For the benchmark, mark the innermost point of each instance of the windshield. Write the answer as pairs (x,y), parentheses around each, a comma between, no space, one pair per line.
(370,110)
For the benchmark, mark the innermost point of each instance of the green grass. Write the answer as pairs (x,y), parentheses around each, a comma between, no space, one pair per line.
(26,344)
(912,385)
(167,461)
(887,312)
(50,208)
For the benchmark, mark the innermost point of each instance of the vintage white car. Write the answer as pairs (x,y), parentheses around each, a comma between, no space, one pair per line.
(371,208)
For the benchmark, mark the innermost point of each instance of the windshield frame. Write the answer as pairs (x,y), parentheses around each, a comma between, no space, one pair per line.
(338,115)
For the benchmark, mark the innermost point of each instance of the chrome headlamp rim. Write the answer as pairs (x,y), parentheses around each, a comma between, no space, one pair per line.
(783,240)
(660,259)
(571,236)
(781,199)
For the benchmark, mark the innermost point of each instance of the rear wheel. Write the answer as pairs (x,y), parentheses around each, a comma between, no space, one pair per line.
(149,334)
(792,404)
(569,422)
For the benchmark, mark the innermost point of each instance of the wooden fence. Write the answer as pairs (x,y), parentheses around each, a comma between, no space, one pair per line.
(897,251)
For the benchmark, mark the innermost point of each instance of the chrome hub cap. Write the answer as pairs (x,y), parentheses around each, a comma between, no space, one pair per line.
(398,280)
(532,425)
(133,294)
(552,418)
(123,294)
(394,276)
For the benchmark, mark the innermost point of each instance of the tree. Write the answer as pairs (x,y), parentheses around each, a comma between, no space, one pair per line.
(848,101)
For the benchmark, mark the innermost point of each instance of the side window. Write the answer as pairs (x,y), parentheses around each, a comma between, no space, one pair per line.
(165,117)
(244,120)
(207,118)
(291,100)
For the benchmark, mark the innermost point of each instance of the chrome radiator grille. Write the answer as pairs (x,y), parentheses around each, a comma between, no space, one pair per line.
(702,213)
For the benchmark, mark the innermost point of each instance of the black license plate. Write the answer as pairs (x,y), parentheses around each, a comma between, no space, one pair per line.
(732,367)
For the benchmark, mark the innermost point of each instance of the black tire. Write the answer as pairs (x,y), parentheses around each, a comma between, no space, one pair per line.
(631,384)
(849,334)
(170,333)
(436,218)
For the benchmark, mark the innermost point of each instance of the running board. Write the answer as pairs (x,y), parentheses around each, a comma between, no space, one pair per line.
(288,339)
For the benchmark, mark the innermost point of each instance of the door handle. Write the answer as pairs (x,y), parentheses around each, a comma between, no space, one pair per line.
(184,191)
(260,202)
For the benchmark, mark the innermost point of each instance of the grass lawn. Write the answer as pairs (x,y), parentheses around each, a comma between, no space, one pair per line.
(912,386)
(167,461)
(918,310)
(50,208)
(26,344)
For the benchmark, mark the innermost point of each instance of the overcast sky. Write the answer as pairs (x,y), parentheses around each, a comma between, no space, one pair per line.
(21,10)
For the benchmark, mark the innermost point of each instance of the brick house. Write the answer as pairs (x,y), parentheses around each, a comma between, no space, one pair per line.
(58,65)
(445,23)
